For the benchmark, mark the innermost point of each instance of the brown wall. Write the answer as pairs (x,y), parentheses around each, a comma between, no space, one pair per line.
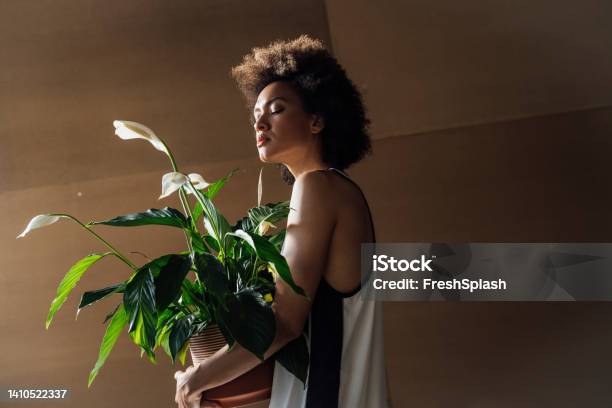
(492,122)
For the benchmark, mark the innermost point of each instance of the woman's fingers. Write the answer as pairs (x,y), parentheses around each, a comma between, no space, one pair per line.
(191,401)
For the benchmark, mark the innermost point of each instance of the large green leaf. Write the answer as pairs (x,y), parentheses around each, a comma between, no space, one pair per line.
(164,318)
(164,327)
(214,188)
(239,275)
(271,213)
(164,340)
(169,280)
(111,314)
(192,295)
(69,282)
(278,239)
(226,332)
(250,321)
(166,216)
(211,274)
(139,302)
(182,354)
(181,332)
(211,192)
(295,358)
(213,243)
(267,252)
(91,297)
(215,223)
(156,265)
(111,335)
(197,241)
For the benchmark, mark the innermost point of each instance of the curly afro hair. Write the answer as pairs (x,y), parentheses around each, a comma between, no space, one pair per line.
(324,89)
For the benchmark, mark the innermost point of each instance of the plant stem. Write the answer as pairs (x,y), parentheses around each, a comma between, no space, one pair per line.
(182,196)
(108,245)
(197,194)
(186,208)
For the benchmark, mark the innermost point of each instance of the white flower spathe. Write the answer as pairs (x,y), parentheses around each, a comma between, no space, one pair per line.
(127,130)
(172,181)
(198,181)
(259,188)
(39,221)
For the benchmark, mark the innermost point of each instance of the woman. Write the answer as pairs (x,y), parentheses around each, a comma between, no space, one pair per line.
(309,117)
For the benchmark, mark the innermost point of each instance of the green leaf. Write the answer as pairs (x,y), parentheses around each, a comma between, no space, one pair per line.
(197,242)
(163,321)
(91,297)
(113,331)
(166,216)
(169,280)
(182,354)
(139,302)
(225,331)
(192,295)
(213,243)
(211,192)
(250,321)
(238,274)
(164,341)
(197,212)
(156,265)
(164,329)
(111,314)
(214,221)
(214,188)
(272,213)
(267,252)
(69,282)
(181,332)
(295,358)
(211,274)
(278,239)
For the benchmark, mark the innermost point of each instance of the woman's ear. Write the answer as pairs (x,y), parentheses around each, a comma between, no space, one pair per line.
(317,124)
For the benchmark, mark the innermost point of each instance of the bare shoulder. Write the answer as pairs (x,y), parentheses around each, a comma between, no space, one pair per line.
(315,192)
(327,191)
(319,182)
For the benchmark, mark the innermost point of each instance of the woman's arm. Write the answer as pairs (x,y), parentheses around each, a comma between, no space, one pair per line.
(309,230)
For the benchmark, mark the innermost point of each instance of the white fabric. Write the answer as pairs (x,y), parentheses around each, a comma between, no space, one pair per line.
(363,379)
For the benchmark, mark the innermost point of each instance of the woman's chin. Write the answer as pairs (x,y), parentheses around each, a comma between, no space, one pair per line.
(265,157)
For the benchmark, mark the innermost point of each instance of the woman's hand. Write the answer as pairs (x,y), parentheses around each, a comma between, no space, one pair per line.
(185,396)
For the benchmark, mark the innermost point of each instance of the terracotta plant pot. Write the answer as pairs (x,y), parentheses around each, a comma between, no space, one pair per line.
(253,386)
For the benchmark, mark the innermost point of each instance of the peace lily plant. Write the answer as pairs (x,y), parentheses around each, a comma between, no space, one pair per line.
(225,277)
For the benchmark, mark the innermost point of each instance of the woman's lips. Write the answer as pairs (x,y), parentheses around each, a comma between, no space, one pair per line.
(261,140)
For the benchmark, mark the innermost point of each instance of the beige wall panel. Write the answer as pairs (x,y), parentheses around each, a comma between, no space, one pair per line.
(543,179)
(71,67)
(428,65)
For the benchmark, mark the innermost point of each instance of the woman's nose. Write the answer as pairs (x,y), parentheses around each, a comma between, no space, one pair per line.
(260,125)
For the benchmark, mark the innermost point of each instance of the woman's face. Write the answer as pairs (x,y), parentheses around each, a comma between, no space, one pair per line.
(283,131)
